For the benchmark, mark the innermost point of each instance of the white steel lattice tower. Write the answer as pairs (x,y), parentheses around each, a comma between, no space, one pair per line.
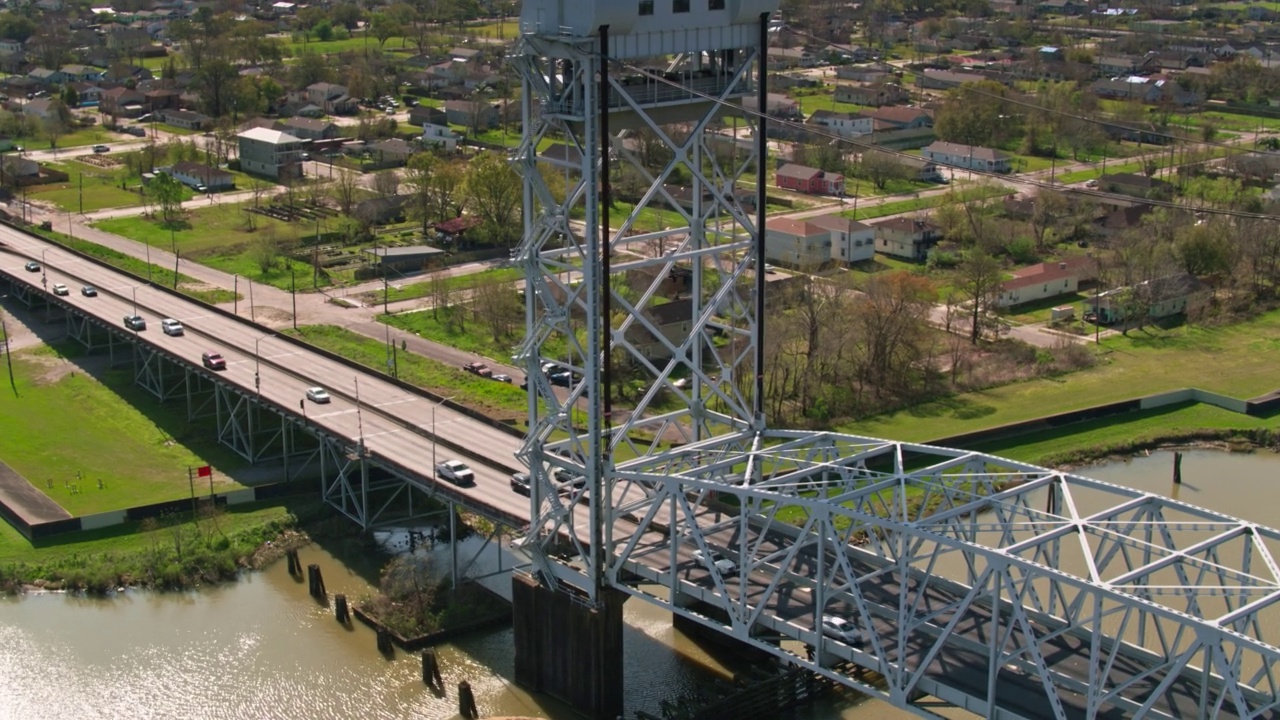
(640,248)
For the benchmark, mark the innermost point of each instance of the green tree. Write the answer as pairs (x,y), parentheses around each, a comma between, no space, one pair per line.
(168,193)
(494,192)
(417,181)
(323,31)
(979,278)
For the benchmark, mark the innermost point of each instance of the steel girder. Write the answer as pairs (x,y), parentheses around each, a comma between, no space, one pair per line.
(158,373)
(600,298)
(86,330)
(1005,588)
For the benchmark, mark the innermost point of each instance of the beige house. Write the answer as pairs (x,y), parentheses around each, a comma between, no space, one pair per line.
(797,243)
(1046,280)
(851,241)
(272,153)
(904,237)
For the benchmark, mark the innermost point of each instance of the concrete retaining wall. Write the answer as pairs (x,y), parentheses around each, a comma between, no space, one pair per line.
(101,520)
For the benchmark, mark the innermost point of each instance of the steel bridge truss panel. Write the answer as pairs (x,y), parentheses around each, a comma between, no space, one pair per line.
(995,585)
(369,491)
(159,373)
(88,331)
(663,310)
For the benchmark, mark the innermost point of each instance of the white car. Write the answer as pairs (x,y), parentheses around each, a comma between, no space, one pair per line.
(456,472)
(60,289)
(724,565)
(318,395)
(839,629)
(171,327)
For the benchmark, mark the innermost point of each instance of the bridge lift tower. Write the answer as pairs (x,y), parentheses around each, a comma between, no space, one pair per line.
(643,261)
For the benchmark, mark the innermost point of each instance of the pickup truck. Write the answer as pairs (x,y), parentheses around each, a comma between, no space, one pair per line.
(478,368)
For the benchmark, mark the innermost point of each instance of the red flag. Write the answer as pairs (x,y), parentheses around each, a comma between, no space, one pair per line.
(204,471)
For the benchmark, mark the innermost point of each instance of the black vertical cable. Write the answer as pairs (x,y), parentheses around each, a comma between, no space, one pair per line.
(762,146)
(606,199)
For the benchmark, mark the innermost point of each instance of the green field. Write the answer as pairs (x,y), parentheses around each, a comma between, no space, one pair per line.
(1238,360)
(455,283)
(217,236)
(139,448)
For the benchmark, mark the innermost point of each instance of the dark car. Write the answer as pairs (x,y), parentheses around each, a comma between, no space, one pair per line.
(33,266)
(520,483)
(89,291)
(563,378)
(135,322)
(213,361)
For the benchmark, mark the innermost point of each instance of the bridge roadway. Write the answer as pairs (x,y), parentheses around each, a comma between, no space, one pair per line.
(396,425)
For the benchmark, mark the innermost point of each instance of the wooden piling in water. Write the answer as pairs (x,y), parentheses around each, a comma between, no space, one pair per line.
(467,701)
(295,565)
(1177,468)
(384,642)
(431,670)
(340,610)
(317,581)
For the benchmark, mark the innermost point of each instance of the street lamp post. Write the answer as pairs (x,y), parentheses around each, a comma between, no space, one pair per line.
(4,330)
(44,273)
(257,366)
(135,306)
(293,293)
(235,290)
(433,429)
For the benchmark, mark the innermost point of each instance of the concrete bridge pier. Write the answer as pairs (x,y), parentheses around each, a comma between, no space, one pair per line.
(568,648)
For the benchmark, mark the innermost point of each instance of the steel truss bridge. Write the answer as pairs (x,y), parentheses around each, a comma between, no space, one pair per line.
(912,573)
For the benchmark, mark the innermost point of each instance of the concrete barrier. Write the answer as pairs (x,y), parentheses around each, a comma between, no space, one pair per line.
(103,519)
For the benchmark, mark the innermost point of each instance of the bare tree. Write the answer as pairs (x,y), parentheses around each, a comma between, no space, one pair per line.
(345,191)
(498,307)
(979,279)
(266,249)
(386,183)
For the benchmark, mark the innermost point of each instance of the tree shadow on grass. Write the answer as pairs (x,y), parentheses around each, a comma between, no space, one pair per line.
(960,408)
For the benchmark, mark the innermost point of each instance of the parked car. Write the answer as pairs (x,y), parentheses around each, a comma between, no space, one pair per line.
(135,323)
(456,472)
(710,559)
(501,377)
(318,395)
(60,289)
(213,361)
(1091,183)
(478,368)
(563,378)
(89,291)
(520,483)
(33,266)
(171,327)
(101,148)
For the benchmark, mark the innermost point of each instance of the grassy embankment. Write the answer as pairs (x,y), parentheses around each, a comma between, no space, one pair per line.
(163,276)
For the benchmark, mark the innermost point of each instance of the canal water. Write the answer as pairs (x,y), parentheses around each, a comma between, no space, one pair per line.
(262,648)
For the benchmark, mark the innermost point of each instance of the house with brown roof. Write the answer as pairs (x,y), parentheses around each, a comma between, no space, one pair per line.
(874,95)
(797,243)
(308,128)
(122,102)
(851,241)
(906,237)
(1046,280)
(672,320)
(1135,185)
(901,117)
(811,181)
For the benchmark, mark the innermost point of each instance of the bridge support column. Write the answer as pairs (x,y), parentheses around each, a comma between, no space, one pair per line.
(567,648)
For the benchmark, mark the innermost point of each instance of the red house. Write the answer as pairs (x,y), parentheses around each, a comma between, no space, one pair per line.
(808,180)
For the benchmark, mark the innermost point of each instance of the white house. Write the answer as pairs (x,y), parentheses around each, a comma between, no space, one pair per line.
(1046,280)
(969,157)
(440,135)
(851,241)
(272,153)
(843,124)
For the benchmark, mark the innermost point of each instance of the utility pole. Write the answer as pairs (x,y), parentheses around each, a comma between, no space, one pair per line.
(293,292)
(8,358)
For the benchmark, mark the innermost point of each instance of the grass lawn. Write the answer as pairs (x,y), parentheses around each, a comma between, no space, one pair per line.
(1049,447)
(1041,310)
(507,29)
(1238,360)
(456,284)
(94,135)
(355,43)
(920,203)
(825,101)
(187,285)
(127,545)
(216,236)
(140,449)
(496,399)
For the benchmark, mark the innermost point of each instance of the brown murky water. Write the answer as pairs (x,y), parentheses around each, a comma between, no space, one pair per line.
(262,648)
